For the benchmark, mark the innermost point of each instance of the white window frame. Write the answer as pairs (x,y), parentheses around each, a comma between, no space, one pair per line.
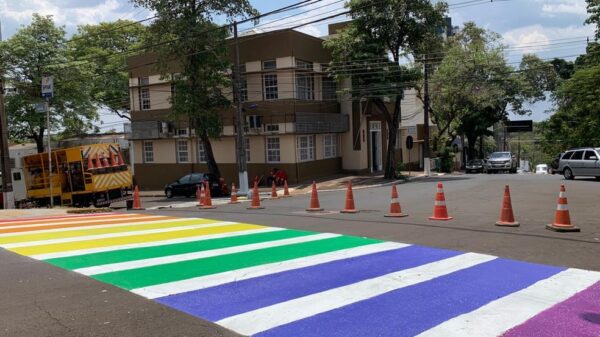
(180,151)
(145,98)
(330,146)
(243,84)
(306,65)
(272,127)
(270,85)
(326,94)
(201,153)
(272,154)
(305,145)
(148,151)
(269,65)
(247,147)
(305,87)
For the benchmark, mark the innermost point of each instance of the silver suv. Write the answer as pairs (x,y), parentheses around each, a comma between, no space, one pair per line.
(501,161)
(580,162)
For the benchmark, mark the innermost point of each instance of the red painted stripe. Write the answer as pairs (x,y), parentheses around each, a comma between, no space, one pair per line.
(108,222)
(54,217)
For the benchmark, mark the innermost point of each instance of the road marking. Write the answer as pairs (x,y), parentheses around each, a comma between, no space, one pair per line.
(64,221)
(204,282)
(498,316)
(199,255)
(279,314)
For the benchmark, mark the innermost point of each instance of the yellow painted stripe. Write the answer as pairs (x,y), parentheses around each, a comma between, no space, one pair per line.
(97,231)
(97,243)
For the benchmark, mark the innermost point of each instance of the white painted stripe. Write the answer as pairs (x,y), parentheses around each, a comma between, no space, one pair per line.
(200,255)
(147,220)
(394,201)
(495,318)
(112,235)
(255,321)
(562,195)
(75,221)
(203,282)
(439,203)
(561,207)
(154,243)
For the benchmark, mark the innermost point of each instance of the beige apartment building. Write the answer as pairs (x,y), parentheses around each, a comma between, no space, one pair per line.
(295,117)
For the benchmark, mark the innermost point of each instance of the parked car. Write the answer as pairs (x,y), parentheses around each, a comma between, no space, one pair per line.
(541,169)
(554,164)
(188,185)
(501,161)
(580,162)
(475,166)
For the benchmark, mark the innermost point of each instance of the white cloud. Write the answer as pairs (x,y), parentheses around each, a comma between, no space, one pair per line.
(553,8)
(557,41)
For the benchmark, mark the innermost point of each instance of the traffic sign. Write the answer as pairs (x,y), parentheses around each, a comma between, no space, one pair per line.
(47,86)
(409,142)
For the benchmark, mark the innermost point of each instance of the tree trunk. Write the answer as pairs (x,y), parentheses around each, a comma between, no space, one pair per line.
(471,140)
(392,123)
(39,140)
(210,156)
(481,140)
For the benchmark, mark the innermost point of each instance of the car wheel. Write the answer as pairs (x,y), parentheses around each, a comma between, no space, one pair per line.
(597,177)
(169,193)
(568,174)
(513,171)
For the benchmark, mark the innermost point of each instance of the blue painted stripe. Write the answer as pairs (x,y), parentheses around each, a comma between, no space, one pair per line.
(412,310)
(234,298)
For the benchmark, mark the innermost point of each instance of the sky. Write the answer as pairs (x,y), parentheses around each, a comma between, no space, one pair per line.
(548,28)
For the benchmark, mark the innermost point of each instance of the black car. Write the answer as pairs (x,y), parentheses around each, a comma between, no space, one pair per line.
(474,165)
(188,185)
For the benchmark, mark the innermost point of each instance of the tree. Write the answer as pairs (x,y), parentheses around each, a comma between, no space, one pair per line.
(187,40)
(108,44)
(34,51)
(396,27)
(593,8)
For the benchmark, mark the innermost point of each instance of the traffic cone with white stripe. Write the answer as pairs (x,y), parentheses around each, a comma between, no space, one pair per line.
(507,217)
(234,199)
(286,191)
(440,212)
(562,218)
(314,206)
(349,208)
(395,209)
(137,202)
(199,195)
(274,191)
(90,163)
(207,204)
(255,198)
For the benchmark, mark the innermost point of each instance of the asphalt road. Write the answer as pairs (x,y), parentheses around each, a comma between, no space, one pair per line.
(41,300)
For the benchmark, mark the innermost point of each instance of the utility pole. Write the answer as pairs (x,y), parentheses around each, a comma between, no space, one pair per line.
(239,139)
(7,188)
(426,152)
(47,93)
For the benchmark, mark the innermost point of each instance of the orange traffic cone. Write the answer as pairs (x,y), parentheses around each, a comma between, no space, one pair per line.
(137,202)
(286,192)
(315,206)
(439,207)
(255,198)
(104,161)
(349,208)
(507,218)
(121,161)
(98,163)
(111,158)
(234,199)
(395,210)
(207,204)
(274,191)
(90,163)
(199,195)
(562,218)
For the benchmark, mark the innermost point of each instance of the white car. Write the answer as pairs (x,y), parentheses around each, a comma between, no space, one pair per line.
(541,169)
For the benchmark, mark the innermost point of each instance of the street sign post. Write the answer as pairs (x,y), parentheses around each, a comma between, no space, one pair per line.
(409,146)
(47,86)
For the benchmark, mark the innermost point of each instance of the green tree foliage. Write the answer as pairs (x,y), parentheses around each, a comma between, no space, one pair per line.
(35,50)
(187,42)
(593,8)
(106,47)
(380,28)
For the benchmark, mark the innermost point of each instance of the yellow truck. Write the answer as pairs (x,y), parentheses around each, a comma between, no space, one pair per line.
(81,176)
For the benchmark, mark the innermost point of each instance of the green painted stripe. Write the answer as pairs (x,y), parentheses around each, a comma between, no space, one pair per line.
(148,276)
(132,254)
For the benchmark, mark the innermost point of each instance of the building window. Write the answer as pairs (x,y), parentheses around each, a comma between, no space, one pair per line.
(305,87)
(330,146)
(143,81)
(182,132)
(182,151)
(304,65)
(269,65)
(243,84)
(202,158)
(270,84)
(329,88)
(145,98)
(247,146)
(272,128)
(306,148)
(148,152)
(273,150)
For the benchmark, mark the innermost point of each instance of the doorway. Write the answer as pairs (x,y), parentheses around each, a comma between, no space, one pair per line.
(376,146)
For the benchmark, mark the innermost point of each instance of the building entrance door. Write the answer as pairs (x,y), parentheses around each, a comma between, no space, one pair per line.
(376,151)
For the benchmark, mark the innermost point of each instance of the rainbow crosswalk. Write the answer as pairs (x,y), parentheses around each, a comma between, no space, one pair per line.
(268,281)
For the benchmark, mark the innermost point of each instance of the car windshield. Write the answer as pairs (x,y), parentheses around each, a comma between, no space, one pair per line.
(497,155)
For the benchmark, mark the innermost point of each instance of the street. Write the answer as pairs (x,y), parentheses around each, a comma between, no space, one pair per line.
(281,271)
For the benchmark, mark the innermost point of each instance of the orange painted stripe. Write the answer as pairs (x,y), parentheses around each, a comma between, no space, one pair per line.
(46,221)
(118,221)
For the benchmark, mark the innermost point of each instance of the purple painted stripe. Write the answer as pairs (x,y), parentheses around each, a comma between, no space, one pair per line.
(579,316)
(412,310)
(235,298)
